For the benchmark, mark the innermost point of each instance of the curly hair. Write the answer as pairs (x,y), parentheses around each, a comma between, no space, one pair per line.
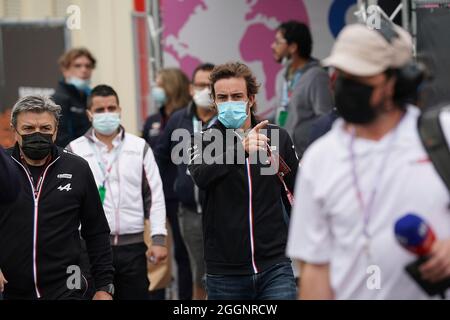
(235,70)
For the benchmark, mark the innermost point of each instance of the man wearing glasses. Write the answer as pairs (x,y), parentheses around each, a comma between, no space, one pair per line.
(302,86)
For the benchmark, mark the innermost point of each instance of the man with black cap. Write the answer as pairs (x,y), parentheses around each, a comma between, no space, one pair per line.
(370,170)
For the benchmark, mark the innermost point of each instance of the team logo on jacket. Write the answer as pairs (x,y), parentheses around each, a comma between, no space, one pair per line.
(67,187)
(64,176)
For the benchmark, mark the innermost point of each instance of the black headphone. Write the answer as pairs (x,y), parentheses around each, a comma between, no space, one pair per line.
(410,76)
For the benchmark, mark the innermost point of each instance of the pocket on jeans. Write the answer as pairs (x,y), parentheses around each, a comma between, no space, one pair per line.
(285,266)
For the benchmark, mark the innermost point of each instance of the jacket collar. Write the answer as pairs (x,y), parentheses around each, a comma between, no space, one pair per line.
(70,87)
(191,110)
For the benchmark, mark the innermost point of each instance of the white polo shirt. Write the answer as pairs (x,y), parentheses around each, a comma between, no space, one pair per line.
(327,222)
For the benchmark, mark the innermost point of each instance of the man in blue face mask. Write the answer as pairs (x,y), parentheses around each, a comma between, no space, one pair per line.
(72,92)
(131,191)
(245,210)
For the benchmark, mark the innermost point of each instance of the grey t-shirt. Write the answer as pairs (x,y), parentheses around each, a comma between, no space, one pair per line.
(310,99)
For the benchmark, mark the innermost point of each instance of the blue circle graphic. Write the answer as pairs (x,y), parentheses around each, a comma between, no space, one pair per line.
(336,17)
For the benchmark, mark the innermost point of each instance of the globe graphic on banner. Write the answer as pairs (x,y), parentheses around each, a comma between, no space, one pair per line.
(218,31)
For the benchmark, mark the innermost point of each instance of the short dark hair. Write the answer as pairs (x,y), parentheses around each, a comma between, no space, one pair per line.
(298,33)
(102,90)
(202,67)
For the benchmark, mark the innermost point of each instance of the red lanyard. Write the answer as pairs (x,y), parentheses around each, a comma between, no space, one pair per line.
(106,173)
(103,164)
(283,170)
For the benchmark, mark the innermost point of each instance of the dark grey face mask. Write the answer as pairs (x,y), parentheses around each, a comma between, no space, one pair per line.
(37,146)
(352,100)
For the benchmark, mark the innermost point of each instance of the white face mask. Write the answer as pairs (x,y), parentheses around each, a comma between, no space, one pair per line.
(202,98)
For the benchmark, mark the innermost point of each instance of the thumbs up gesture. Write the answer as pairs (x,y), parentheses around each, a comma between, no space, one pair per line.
(256,141)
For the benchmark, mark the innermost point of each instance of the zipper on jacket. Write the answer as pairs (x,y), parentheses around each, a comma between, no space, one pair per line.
(250,216)
(36,196)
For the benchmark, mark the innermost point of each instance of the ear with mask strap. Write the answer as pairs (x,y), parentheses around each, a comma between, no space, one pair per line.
(409,79)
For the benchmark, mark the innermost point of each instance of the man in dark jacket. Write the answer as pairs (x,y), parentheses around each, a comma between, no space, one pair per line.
(39,234)
(246,201)
(72,93)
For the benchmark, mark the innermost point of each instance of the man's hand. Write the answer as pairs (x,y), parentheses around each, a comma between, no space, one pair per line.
(102,295)
(315,282)
(256,141)
(438,266)
(156,254)
(3,282)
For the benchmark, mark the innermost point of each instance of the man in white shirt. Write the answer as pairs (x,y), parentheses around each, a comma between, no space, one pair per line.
(131,191)
(360,178)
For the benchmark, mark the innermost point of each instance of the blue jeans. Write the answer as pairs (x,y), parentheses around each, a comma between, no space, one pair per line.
(275,283)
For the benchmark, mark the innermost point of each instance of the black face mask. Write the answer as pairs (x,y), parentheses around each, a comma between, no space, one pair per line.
(37,146)
(352,100)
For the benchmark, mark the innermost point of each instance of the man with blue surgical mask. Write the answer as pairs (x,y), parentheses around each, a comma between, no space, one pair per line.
(72,93)
(246,206)
(131,191)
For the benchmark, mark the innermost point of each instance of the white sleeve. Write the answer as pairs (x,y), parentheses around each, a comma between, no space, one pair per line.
(157,209)
(309,237)
(444,118)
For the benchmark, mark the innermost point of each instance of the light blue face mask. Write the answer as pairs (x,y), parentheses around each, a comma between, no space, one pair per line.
(106,123)
(159,95)
(80,84)
(232,114)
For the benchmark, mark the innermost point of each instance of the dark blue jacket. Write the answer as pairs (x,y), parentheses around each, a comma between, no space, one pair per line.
(322,125)
(9,183)
(184,185)
(74,121)
(153,131)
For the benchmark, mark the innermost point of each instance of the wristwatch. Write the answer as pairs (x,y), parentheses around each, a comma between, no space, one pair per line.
(108,289)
